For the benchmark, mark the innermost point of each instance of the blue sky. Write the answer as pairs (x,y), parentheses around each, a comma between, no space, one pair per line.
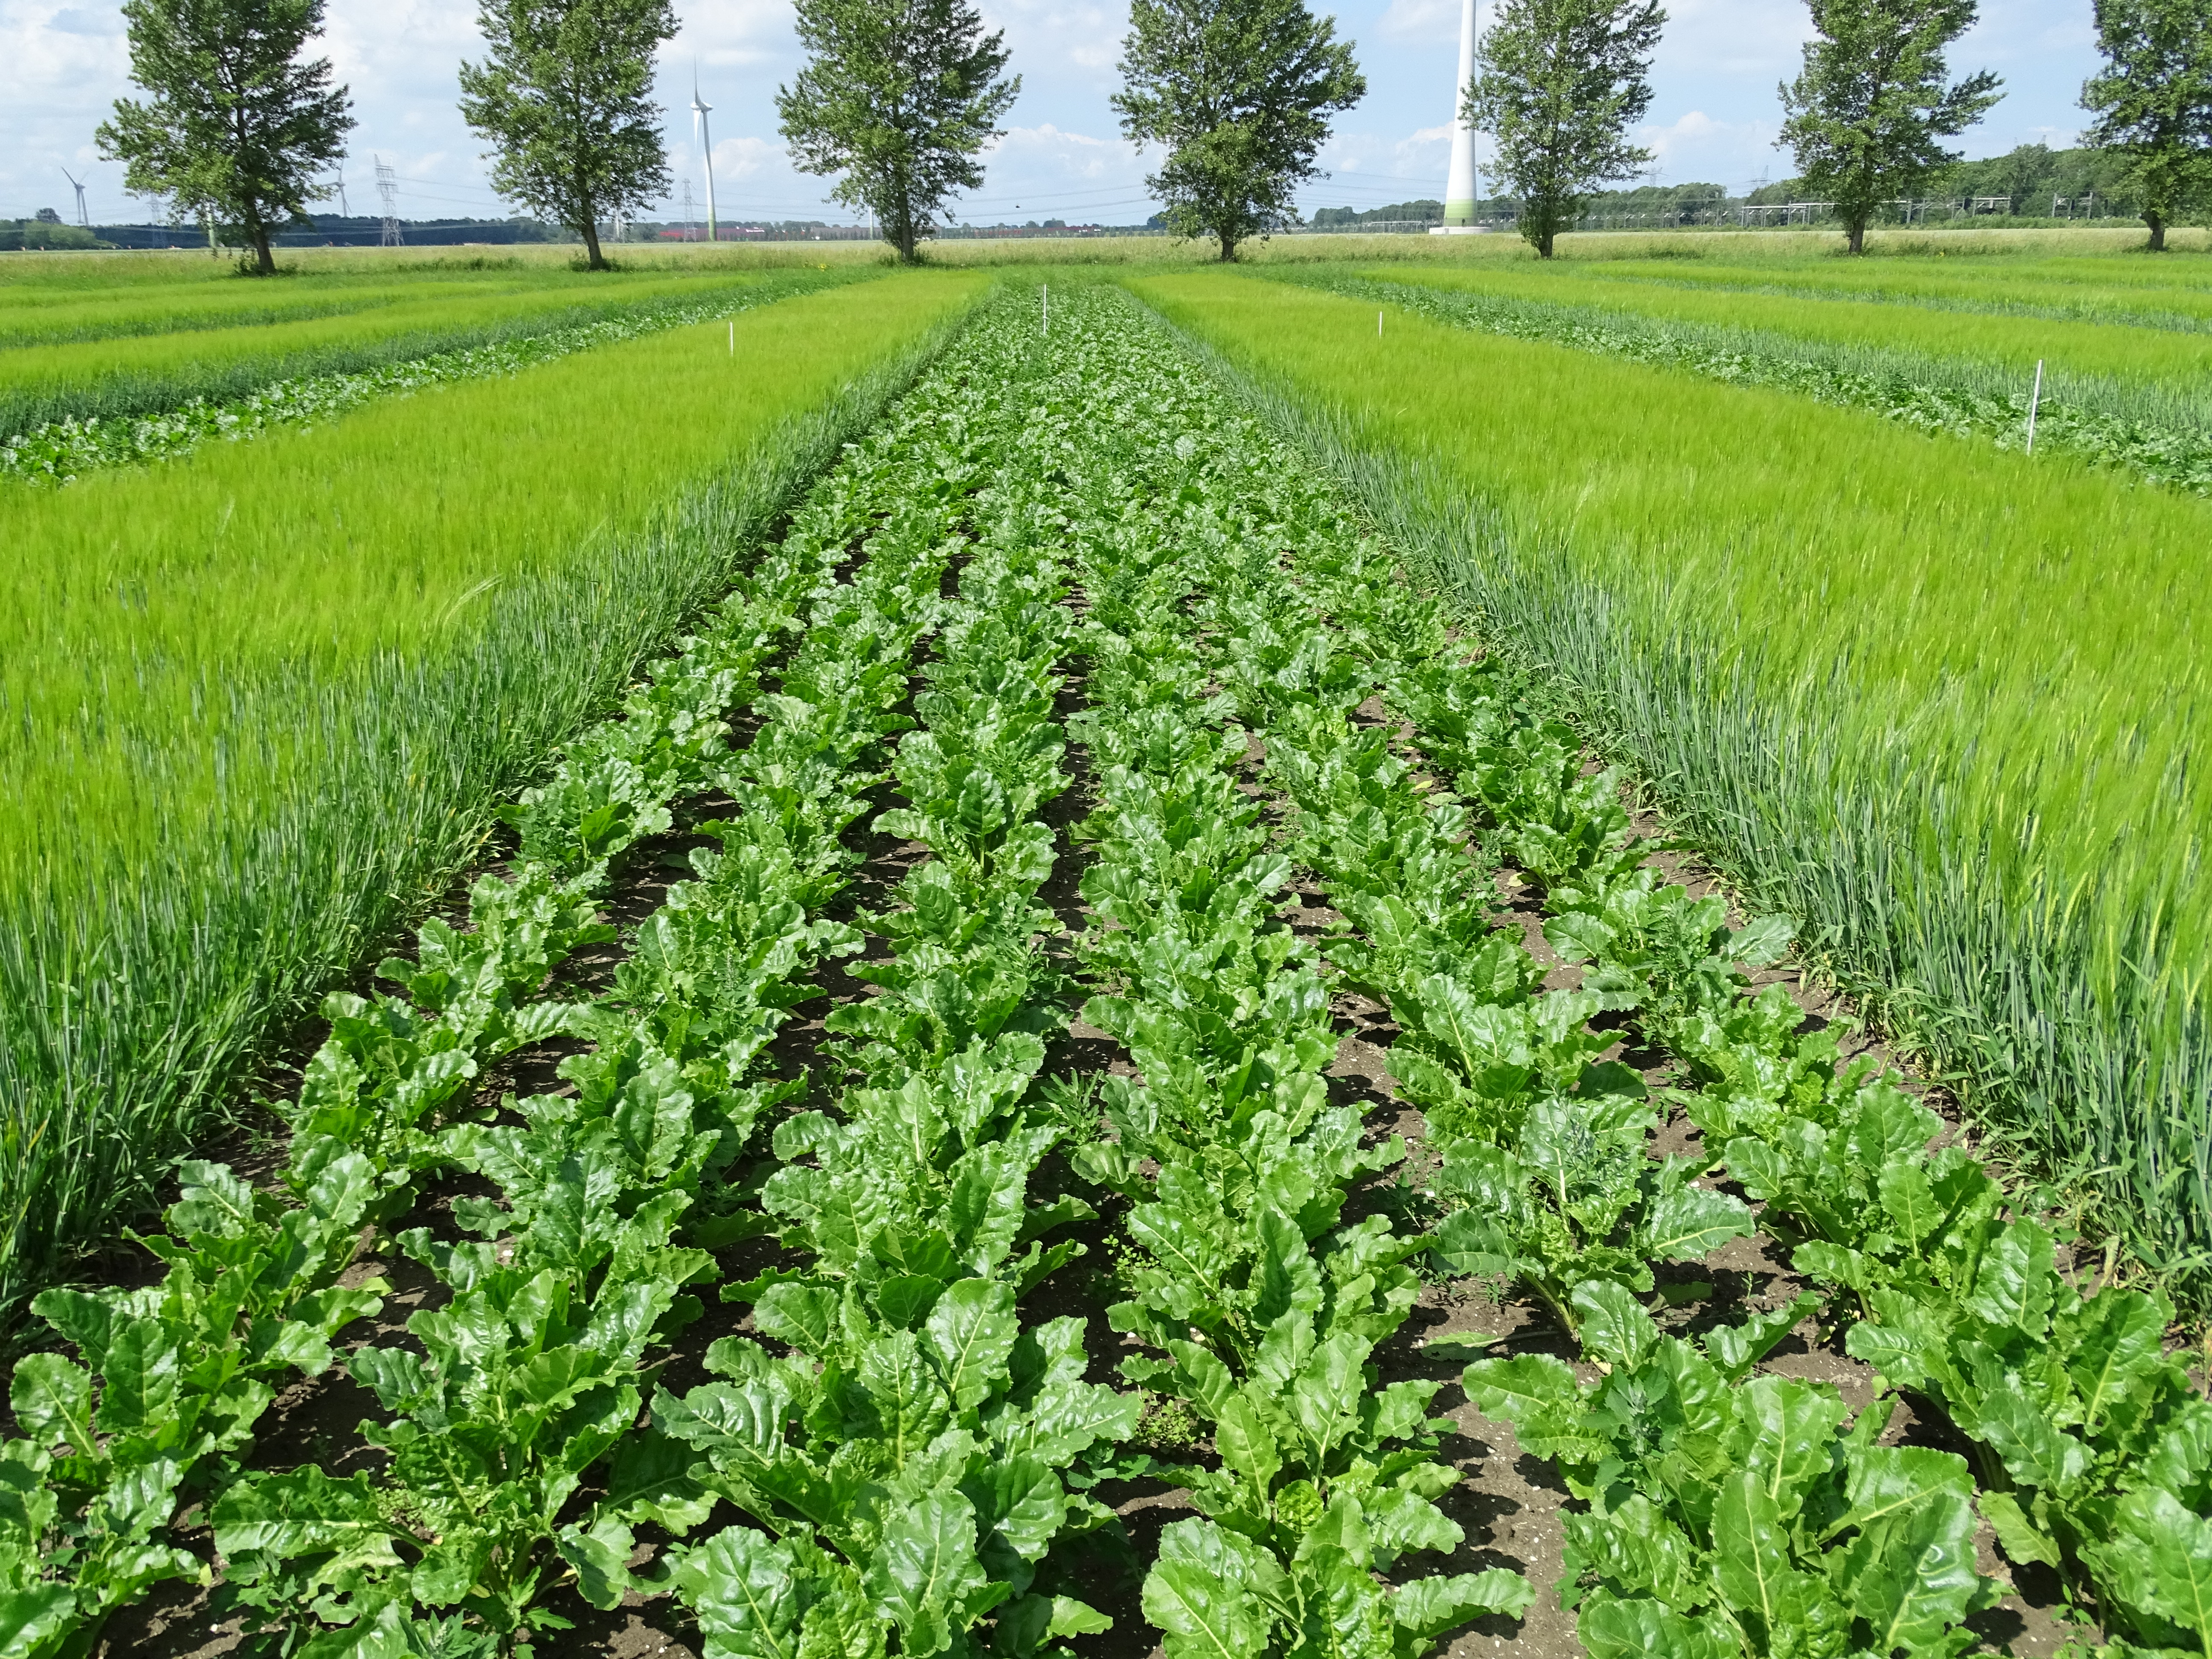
(1713,117)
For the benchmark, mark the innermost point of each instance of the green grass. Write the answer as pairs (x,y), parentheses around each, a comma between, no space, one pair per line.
(2173,292)
(267,695)
(2157,431)
(122,377)
(1941,705)
(65,315)
(2175,362)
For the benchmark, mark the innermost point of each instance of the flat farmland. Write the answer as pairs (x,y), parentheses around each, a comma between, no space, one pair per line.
(838,969)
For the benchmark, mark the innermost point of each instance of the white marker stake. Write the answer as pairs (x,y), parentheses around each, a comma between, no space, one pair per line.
(2034,398)
(1378,325)
(733,336)
(1047,308)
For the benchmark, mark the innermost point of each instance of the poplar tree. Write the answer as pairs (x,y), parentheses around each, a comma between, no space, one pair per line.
(900,96)
(235,125)
(1240,92)
(565,97)
(1875,96)
(1559,83)
(2154,103)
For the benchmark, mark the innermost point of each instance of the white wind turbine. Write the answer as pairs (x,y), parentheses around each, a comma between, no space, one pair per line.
(706,141)
(1461,188)
(82,218)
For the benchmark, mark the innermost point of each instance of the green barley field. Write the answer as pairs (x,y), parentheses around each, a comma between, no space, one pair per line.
(799,957)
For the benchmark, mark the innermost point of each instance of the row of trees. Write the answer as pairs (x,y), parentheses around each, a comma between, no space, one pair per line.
(899,98)
(1562,84)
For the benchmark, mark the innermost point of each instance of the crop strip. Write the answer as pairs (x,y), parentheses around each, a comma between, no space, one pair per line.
(909,1451)
(144,971)
(1962,398)
(1994,951)
(385,1101)
(1519,1098)
(1264,1302)
(59,452)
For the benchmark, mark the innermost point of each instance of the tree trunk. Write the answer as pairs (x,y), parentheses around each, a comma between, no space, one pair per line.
(1854,234)
(1544,239)
(2157,232)
(264,263)
(1228,248)
(597,261)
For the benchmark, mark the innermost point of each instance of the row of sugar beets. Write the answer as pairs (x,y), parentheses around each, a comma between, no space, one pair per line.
(552,1297)
(558,1297)
(2091,1448)
(908,1447)
(1725,1515)
(1725,1512)
(1259,1302)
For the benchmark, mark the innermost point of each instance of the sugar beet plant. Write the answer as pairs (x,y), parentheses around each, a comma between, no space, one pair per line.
(1547,1177)
(896,1456)
(530,1372)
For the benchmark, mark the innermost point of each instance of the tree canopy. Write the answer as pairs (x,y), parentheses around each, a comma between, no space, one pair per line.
(1864,114)
(565,97)
(2152,102)
(900,96)
(1240,93)
(236,124)
(1558,85)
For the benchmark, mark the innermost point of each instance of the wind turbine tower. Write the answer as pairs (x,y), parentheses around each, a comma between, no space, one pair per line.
(700,131)
(1461,189)
(82,218)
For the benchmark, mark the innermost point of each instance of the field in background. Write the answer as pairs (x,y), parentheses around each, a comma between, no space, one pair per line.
(1943,705)
(1891,250)
(266,693)
(2180,361)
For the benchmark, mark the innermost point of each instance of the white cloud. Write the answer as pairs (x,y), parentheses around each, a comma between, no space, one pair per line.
(737,158)
(1697,147)
(1428,22)
(1756,41)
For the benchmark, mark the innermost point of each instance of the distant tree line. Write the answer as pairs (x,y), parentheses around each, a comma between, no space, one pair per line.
(45,230)
(899,99)
(1561,83)
(1398,213)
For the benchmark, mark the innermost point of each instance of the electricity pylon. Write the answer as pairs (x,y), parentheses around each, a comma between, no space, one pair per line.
(387,186)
